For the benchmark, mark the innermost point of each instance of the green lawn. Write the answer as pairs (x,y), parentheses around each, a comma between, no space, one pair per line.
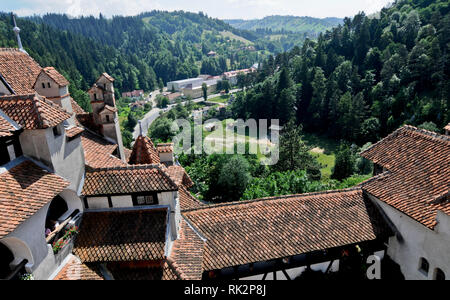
(220,99)
(324,149)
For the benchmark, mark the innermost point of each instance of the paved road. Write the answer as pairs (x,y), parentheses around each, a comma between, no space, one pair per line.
(152,115)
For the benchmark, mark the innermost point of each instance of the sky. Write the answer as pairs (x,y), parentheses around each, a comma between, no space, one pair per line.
(223,9)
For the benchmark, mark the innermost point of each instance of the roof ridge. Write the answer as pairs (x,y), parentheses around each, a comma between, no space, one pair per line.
(128,167)
(409,128)
(273,198)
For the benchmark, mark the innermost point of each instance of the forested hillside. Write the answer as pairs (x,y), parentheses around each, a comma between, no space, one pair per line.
(287,24)
(140,52)
(362,80)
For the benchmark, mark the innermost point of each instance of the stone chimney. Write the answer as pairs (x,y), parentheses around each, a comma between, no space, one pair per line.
(165,152)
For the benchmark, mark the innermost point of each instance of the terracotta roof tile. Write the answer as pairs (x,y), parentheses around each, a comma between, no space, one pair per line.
(187,201)
(126,180)
(179,175)
(144,152)
(19,70)
(76,270)
(187,253)
(272,228)
(6,126)
(418,164)
(117,236)
(32,111)
(107,76)
(77,108)
(25,189)
(165,148)
(98,152)
(55,75)
(74,131)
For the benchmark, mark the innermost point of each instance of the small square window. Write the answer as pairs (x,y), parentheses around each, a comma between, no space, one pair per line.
(145,200)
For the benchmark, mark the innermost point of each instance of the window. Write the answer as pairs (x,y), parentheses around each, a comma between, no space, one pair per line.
(95,97)
(48,84)
(43,85)
(56,131)
(424,266)
(9,151)
(140,200)
(107,118)
(439,274)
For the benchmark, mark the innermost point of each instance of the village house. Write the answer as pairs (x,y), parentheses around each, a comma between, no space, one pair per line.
(136,94)
(75,204)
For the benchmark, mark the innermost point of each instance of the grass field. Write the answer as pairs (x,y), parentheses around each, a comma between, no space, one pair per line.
(324,150)
(229,34)
(220,99)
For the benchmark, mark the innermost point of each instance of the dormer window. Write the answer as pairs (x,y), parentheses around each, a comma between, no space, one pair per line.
(48,84)
(424,266)
(43,85)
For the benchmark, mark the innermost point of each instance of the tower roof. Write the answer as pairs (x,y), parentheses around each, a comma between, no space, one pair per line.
(51,72)
(144,152)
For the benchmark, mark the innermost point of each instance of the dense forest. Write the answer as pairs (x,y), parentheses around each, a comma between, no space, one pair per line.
(363,79)
(140,52)
(282,33)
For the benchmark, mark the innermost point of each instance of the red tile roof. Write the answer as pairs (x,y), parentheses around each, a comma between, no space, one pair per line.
(74,131)
(272,228)
(77,108)
(25,189)
(6,127)
(33,111)
(126,180)
(165,148)
(144,152)
(19,70)
(187,253)
(107,76)
(98,152)
(418,173)
(179,175)
(76,270)
(55,75)
(187,201)
(122,235)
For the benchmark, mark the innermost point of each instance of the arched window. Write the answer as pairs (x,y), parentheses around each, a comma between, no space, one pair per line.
(424,266)
(439,274)
(6,257)
(43,85)
(57,208)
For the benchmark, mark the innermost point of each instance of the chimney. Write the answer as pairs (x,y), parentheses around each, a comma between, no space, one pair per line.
(165,152)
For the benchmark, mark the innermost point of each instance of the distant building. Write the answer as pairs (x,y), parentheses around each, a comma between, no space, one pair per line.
(133,94)
(212,54)
(178,85)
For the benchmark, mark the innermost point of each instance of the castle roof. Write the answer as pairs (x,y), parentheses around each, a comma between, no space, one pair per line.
(122,236)
(32,111)
(127,180)
(7,126)
(51,72)
(19,70)
(272,228)
(24,189)
(417,180)
(143,152)
(98,152)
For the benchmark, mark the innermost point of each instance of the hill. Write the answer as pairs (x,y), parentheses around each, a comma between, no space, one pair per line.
(309,25)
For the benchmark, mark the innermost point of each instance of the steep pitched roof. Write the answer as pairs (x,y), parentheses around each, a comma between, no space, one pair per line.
(51,72)
(265,229)
(76,270)
(418,173)
(24,189)
(7,126)
(126,180)
(144,152)
(187,201)
(19,70)
(180,176)
(122,235)
(187,253)
(32,111)
(107,76)
(98,152)
(77,108)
